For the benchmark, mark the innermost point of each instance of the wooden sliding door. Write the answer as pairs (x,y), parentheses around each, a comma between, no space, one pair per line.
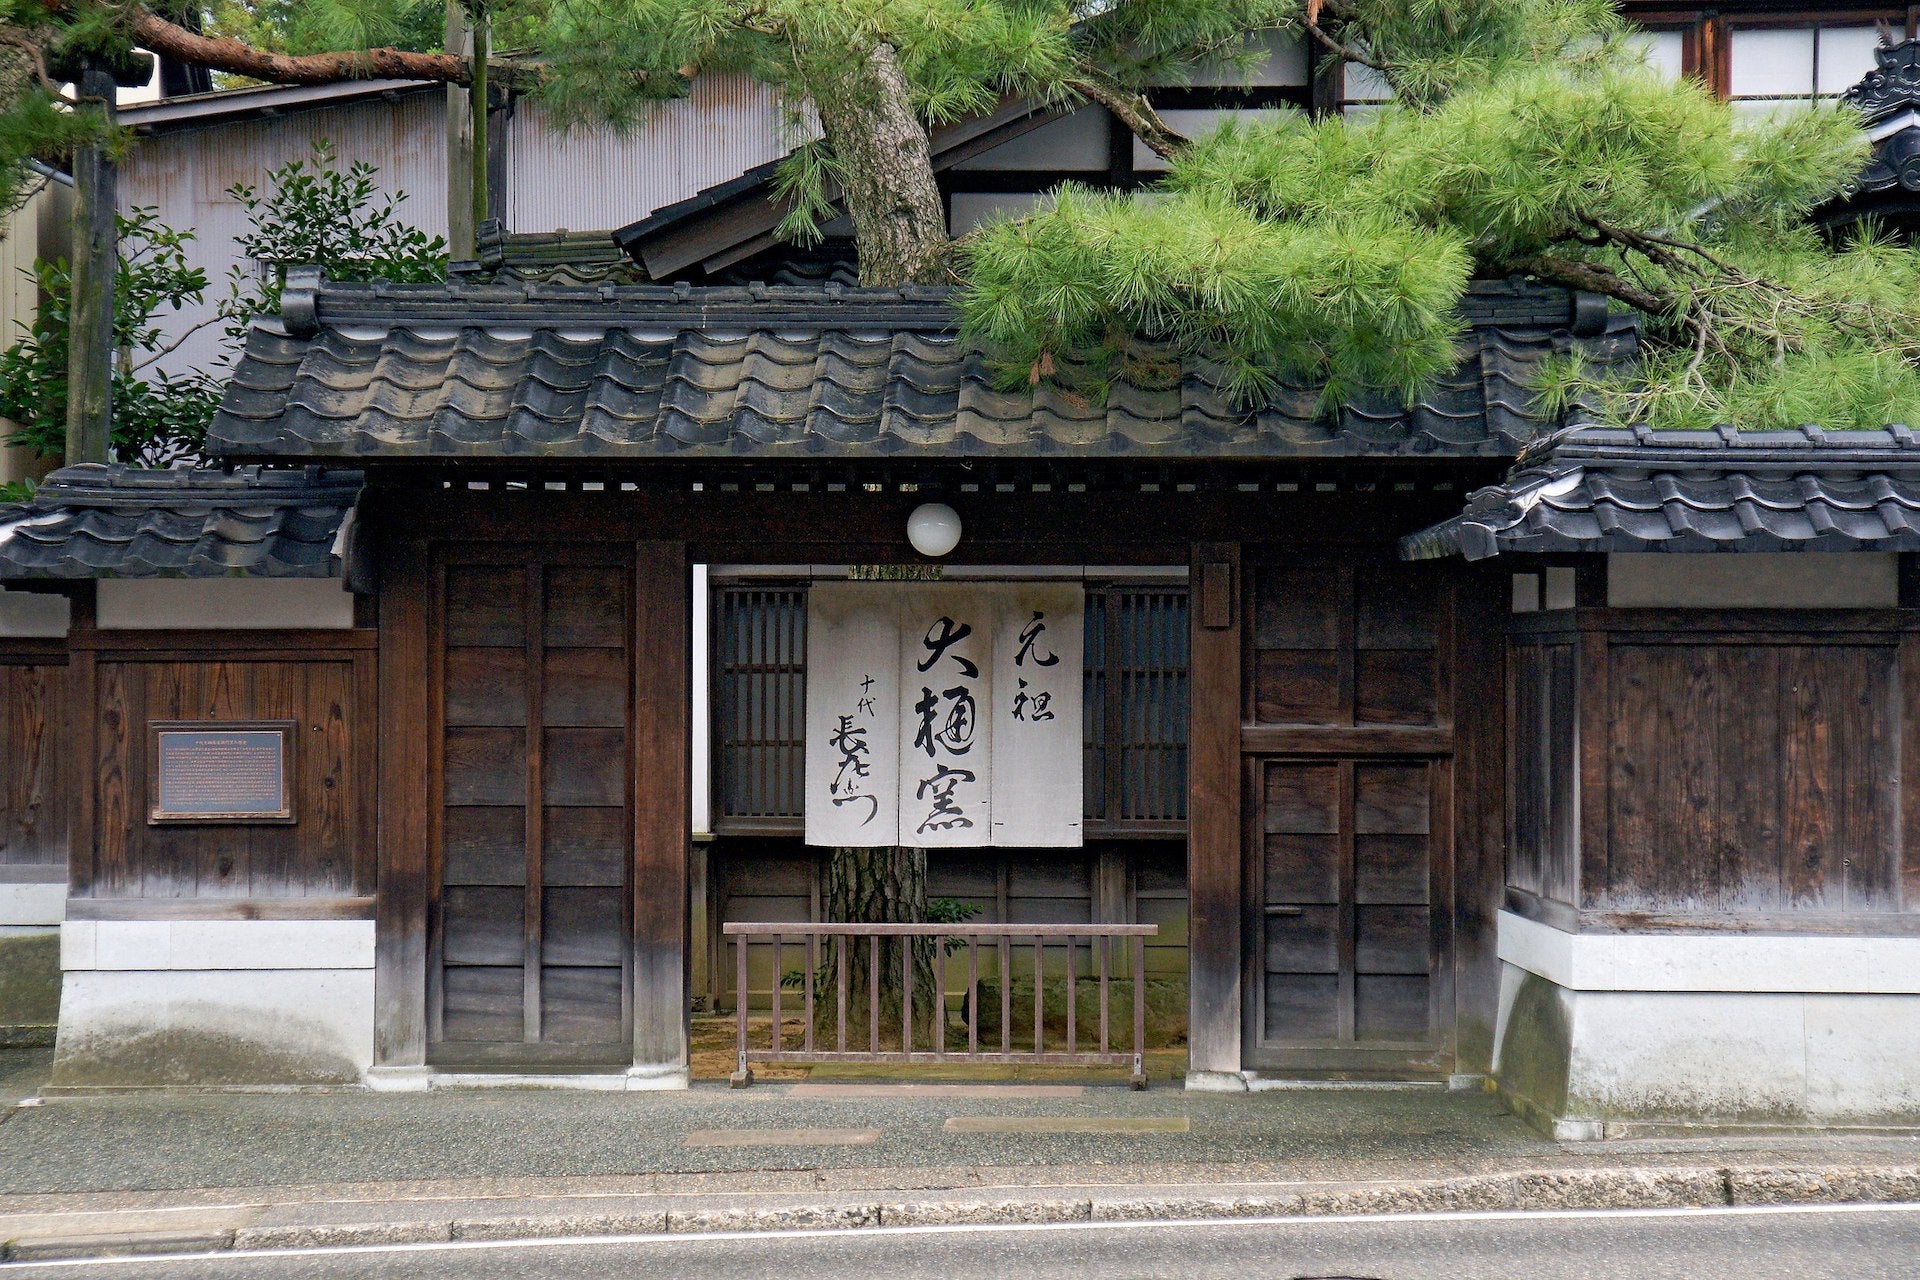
(1348,875)
(530,920)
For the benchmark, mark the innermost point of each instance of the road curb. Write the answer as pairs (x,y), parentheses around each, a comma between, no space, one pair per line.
(1533,1190)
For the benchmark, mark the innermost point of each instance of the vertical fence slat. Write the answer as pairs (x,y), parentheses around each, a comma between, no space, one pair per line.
(1073,994)
(973,995)
(906,995)
(813,945)
(777,1046)
(1006,994)
(740,1008)
(1139,1010)
(840,981)
(940,996)
(1039,988)
(873,995)
(1103,946)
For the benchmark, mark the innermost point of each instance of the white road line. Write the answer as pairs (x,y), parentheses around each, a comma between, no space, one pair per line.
(839,1233)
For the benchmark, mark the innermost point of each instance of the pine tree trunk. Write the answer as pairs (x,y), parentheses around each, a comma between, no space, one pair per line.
(900,226)
(877,886)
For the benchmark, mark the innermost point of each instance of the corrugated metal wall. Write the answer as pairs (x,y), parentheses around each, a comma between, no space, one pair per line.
(590,179)
(186,173)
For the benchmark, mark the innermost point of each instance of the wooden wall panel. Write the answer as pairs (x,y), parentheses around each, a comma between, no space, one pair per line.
(33,809)
(327,852)
(1758,779)
(1543,849)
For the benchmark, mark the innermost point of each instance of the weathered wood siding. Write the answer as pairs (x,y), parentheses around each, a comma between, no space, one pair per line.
(529,942)
(326,853)
(1543,849)
(1734,769)
(33,804)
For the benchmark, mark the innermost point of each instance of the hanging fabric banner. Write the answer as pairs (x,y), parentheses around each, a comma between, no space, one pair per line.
(946,726)
(853,715)
(944,715)
(1037,740)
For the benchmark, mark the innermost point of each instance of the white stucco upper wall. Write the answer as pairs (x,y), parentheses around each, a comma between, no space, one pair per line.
(1764,580)
(239,604)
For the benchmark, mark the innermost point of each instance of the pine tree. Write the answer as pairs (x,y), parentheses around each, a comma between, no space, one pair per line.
(1525,138)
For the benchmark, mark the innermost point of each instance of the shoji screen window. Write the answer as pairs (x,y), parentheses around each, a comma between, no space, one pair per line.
(1785,66)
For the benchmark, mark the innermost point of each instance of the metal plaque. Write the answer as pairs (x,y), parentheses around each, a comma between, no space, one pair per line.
(222,771)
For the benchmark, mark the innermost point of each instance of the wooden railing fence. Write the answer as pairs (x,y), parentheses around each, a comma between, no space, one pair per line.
(1000,941)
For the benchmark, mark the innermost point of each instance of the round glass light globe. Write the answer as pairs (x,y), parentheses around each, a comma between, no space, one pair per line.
(933,528)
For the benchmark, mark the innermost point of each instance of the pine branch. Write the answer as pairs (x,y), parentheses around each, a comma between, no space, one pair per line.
(221,53)
(1134,111)
(1337,46)
(1594,279)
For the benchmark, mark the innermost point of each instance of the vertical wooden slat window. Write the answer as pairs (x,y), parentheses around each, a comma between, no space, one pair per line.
(1146,663)
(760,674)
(1134,718)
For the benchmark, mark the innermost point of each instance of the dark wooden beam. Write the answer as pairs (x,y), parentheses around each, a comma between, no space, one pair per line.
(662,664)
(1479,803)
(221,909)
(407,654)
(81,765)
(1213,810)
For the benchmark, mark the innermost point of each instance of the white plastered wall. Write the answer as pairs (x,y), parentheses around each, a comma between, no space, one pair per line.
(239,1003)
(1698,1029)
(27,615)
(227,604)
(1762,580)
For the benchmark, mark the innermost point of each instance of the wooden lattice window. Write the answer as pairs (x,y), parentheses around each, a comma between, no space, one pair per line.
(1135,708)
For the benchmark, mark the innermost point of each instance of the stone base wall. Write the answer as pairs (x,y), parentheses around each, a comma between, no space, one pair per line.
(1608,1035)
(230,1003)
(30,961)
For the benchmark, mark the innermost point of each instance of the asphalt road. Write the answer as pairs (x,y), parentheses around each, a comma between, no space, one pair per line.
(1800,1243)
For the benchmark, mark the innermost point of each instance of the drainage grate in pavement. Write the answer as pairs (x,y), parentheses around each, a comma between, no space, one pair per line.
(1066,1124)
(782,1137)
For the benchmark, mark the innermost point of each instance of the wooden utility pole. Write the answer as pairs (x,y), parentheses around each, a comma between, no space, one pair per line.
(460,224)
(467,191)
(95,268)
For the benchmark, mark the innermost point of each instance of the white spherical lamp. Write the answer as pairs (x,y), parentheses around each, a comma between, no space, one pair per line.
(933,529)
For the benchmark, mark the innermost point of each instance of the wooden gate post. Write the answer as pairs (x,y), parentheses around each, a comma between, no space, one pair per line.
(1213,818)
(662,659)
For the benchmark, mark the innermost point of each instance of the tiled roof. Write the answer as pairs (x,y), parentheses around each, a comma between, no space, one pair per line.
(807,373)
(1621,490)
(99,521)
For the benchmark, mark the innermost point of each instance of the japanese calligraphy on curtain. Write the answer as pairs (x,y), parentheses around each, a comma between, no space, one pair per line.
(944,715)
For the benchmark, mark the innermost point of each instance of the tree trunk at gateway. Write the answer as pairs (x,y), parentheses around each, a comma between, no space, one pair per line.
(900,225)
(877,886)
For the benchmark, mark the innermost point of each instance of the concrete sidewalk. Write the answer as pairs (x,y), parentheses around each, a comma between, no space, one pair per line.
(86,1176)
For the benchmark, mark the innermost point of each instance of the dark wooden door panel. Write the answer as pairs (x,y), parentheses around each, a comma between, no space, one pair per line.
(1353,942)
(1348,721)
(532,918)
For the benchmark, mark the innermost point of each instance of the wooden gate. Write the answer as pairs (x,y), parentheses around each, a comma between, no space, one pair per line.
(529,925)
(1347,750)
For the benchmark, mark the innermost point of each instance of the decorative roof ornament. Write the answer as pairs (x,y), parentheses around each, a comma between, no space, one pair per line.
(1893,86)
